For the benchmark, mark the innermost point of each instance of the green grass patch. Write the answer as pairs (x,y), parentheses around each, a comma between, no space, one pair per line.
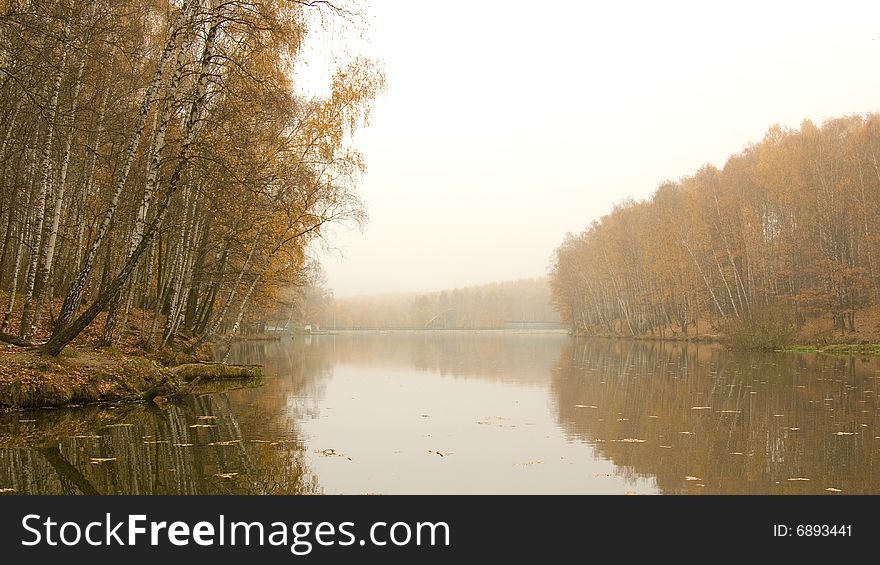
(801,348)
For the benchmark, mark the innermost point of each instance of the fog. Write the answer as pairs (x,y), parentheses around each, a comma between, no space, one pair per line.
(506,125)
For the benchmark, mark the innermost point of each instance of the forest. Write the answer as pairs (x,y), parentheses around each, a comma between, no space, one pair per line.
(488,306)
(159,168)
(780,244)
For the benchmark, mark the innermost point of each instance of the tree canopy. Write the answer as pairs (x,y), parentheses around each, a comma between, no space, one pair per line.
(785,232)
(156,156)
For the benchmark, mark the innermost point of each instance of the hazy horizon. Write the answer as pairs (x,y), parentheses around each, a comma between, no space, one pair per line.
(504,129)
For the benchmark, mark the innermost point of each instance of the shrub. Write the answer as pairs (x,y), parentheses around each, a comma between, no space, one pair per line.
(765,327)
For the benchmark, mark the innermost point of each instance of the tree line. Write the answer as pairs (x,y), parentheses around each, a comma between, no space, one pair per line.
(487,306)
(155,158)
(783,234)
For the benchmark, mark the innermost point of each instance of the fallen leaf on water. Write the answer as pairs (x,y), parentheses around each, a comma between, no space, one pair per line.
(798,479)
(97,460)
(225,475)
(832,489)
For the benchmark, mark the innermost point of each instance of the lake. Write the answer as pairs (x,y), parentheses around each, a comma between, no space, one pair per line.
(474,412)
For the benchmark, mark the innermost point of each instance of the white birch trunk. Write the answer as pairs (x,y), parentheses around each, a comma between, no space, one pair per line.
(27,328)
(47,253)
(76,289)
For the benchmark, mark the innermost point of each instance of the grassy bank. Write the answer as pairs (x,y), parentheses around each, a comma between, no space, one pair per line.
(83,375)
(86,372)
(860,349)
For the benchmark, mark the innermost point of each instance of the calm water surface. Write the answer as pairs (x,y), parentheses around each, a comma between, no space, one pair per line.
(474,413)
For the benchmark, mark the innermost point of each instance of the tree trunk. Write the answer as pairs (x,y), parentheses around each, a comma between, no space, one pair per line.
(47,252)
(67,332)
(27,329)
(78,285)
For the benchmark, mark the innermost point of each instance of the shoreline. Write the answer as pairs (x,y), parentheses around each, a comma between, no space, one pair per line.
(84,375)
(89,375)
(863,348)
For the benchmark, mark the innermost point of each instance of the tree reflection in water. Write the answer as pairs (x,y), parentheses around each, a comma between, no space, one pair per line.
(673,417)
(703,419)
(195,447)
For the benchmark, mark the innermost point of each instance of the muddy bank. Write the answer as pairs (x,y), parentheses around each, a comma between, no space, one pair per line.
(89,375)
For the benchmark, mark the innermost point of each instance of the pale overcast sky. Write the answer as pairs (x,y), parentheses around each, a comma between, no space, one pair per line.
(507,124)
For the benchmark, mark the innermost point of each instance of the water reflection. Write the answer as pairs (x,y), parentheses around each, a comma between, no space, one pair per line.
(704,419)
(495,355)
(460,412)
(448,412)
(195,447)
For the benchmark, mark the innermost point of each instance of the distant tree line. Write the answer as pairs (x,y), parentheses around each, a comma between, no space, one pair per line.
(477,307)
(154,158)
(785,232)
